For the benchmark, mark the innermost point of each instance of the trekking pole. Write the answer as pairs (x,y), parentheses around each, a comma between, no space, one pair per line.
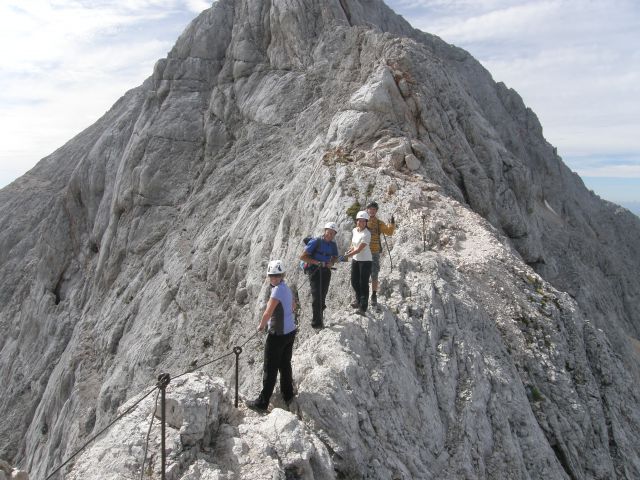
(388,250)
(320,296)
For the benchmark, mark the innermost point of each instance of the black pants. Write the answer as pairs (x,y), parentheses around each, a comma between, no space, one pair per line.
(360,274)
(278,350)
(319,282)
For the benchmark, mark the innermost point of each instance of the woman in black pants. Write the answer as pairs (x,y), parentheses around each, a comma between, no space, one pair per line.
(361,265)
(279,320)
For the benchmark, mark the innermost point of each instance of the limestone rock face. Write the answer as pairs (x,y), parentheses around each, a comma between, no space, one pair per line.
(506,345)
(206,438)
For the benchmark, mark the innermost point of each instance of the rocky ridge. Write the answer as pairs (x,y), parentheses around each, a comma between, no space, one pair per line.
(504,348)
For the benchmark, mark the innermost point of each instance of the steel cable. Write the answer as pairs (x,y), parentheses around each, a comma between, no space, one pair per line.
(100,433)
(146,443)
(128,410)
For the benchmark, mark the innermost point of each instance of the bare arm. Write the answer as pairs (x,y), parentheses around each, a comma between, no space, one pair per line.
(305,257)
(268,312)
(352,251)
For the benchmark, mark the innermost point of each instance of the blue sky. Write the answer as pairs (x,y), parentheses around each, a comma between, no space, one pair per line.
(576,63)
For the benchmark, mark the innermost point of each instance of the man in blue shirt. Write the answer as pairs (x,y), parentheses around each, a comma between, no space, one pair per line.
(321,253)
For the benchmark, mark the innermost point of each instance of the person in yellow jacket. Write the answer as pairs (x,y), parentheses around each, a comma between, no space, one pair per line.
(377,228)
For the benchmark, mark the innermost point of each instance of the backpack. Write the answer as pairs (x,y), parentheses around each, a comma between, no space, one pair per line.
(307,267)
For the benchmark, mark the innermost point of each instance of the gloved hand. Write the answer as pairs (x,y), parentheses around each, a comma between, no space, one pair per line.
(393,220)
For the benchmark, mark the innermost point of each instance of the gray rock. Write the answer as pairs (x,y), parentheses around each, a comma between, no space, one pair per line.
(505,344)
(192,409)
(412,162)
(227,444)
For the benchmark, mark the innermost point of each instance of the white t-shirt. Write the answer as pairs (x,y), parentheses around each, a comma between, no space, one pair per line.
(362,237)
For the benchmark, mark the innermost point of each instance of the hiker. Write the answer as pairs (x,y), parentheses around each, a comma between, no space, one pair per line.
(377,228)
(320,253)
(279,319)
(361,264)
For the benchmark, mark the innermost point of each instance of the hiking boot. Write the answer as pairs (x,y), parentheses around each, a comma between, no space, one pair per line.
(317,326)
(258,405)
(374,299)
(355,304)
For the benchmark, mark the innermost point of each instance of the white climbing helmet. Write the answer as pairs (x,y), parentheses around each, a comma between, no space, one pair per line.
(331,226)
(362,215)
(275,267)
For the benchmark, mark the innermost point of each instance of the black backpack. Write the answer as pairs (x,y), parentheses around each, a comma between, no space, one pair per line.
(308,267)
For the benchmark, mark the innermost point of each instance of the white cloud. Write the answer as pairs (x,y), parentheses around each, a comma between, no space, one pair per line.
(499,24)
(32,32)
(197,6)
(610,171)
(586,98)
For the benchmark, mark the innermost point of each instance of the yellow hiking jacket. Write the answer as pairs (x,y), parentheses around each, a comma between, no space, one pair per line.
(376,227)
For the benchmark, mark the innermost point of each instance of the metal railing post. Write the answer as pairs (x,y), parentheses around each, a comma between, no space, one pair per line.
(163,381)
(237,351)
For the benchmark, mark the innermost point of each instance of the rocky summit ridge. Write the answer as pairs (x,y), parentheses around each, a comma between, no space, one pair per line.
(506,345)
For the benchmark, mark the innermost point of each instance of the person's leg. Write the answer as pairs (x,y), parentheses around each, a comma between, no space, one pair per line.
(375,270)
(286,375)
(315,283)
(365,273)
(326,280)
(355,281)
(272,353)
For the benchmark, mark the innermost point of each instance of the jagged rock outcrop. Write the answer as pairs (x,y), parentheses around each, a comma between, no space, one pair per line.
(8,472)
(206,438)
(140,246)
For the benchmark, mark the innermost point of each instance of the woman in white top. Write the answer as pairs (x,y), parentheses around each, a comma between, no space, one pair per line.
(361,265)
